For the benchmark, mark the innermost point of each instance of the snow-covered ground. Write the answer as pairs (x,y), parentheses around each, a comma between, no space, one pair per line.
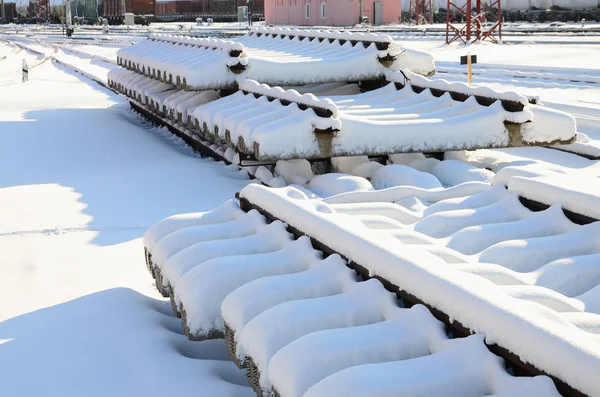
(84,178)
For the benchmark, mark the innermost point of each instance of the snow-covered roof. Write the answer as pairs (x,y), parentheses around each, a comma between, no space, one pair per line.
(397,118)
(270,55)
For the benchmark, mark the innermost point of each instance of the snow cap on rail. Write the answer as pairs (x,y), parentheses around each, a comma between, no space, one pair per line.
(575,194)
(325,34)
(197,41)
(462,88)
(289,95)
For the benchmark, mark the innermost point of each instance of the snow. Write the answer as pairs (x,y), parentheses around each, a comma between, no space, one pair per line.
(548,125)
(258,124)
(474,239)
(176,59)
(159,230)
(84,179)
(331,184)
(579,195)
(459,367)
(401,175)
(266,239)
(452,173)
(445,223)
(362,303)
(89,187)
(536,157)
(292,170)
(405,158)
(531,253)
(274,52)
(325,34)
(405,334)
(355,165)
(291,95)
(396,193)
(404,121)
(444,85)
(419,62)
(263,174)
(518,324)
(268,59)
(558,275)
(203,288)
(323,278)
(242,224)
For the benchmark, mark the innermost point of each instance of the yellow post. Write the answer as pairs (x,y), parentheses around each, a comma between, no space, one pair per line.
(469,74)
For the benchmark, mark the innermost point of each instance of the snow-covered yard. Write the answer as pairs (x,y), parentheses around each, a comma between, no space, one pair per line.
(82,178)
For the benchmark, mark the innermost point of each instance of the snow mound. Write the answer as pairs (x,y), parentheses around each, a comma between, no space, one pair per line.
(331,184)
(401,175)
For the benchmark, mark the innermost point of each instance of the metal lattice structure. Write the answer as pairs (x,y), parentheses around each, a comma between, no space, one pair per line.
(472,26)
(41,10)
(420,12)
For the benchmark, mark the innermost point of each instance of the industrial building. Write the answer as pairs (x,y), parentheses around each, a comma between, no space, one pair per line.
(331,12)
(219,10)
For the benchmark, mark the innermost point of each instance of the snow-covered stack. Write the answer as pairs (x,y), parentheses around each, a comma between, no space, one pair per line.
(525,279)
(410,114)
(279,56)
(189,63)
(268,122)
(270,55)
(280,305)
(162,99)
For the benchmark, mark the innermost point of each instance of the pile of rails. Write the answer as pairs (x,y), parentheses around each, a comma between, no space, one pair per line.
(409,114)
(176,78)
(307,270)
(270,55)
(468,255)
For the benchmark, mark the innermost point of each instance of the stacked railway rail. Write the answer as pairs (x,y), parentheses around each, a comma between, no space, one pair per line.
(471,275)
(290,276)
(287,280)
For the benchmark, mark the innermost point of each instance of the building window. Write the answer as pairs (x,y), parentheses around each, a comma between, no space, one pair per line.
(307,11)
(323,10)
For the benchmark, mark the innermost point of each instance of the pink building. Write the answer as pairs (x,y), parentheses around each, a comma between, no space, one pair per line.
(330,12)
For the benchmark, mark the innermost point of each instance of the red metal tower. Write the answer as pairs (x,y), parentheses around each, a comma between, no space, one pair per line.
(420,12)
(472,26)
(41,9)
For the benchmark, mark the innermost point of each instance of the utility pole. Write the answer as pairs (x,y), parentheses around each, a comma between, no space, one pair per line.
(68,21)
(360,11)
(249,2)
